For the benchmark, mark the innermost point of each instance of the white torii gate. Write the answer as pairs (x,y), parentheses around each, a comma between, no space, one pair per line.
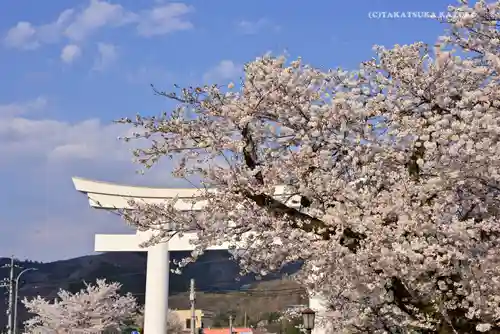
(109,196)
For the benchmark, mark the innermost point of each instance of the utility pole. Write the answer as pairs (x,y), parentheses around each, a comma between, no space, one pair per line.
(11,296)
(245,320)
(192,298)
(231,324)
(10,284)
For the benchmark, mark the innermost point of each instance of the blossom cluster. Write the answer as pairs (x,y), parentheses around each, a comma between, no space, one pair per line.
(392,177)
(96,308)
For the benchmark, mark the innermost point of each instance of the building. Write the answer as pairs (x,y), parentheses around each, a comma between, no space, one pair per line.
(204,319)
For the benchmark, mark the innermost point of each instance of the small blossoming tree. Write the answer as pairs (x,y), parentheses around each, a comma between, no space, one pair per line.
(392,170)
(96,308)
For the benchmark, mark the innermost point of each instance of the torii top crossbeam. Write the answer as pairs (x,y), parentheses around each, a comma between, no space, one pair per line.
(105,195)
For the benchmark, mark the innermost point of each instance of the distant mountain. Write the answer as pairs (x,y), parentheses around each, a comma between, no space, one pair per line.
(213,272)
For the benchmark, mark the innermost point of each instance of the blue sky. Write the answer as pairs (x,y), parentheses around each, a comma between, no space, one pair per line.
(68,68)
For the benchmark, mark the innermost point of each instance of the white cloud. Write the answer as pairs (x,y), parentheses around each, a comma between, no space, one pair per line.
(164,20)
(56,141)
(22,36)
(98,14)
(254,27)
(41,155)
(17,109)
(78,24)
(107,54)
(70,53)
(225,70)
(27,36)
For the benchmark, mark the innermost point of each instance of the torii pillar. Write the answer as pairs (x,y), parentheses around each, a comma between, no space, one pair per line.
(109,196)
(157,270)
(157,273)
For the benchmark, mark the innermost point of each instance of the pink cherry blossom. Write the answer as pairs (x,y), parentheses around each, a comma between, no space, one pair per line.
(391,176)
(91,310)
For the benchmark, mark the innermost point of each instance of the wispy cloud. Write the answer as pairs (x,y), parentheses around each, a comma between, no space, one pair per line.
(254,27)
(25,35)
(107,55)
(224,71)
(164,19)
(98,14)
(70,53)
(77,24)
(22,108)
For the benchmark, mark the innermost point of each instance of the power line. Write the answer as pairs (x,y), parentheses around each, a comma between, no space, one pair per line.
(215,286)
(263,292)
(250,292)
(108,277)
(13,285)
(256,293)
(59,283)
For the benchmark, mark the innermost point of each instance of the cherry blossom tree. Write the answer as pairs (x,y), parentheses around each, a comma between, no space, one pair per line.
(96,308)
(391,177)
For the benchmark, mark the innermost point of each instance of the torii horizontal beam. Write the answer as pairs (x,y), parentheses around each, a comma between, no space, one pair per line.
(132,242)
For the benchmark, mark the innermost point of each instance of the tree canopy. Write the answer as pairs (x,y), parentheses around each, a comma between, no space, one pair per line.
(95,308)
(391,174)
